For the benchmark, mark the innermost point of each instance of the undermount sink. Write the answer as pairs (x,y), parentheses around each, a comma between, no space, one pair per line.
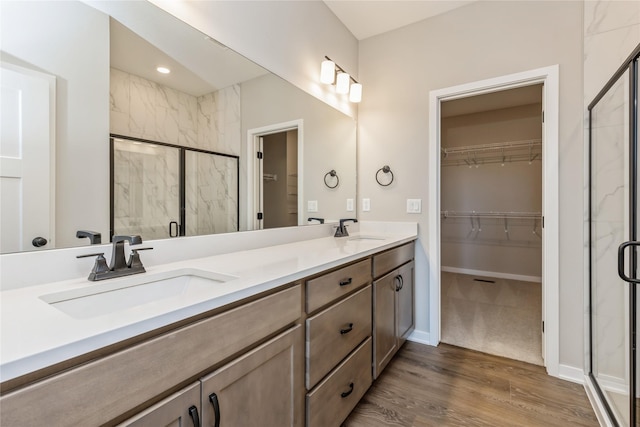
(133,291)
(355,238)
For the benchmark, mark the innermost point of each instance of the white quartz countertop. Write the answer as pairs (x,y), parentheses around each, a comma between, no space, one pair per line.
(34,334)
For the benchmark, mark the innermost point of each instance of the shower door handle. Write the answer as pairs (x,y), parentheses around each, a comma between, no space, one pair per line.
(173,225)
(621,251)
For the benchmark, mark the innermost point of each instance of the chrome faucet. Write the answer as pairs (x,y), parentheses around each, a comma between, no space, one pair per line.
(341,231)
(119,266)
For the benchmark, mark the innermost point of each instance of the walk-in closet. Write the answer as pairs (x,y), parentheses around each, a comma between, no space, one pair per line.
(491,223)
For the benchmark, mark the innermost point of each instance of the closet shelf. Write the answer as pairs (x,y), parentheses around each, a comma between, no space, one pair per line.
(500,152)
(502,215)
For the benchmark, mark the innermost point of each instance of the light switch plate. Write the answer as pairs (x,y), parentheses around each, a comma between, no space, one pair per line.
(414,205)
(366,205)
(349,205)
(312,206)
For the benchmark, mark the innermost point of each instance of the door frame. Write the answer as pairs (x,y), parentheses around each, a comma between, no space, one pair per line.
(549,77)
(253,183)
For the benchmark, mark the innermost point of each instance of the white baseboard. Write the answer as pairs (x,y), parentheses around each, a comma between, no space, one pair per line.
(421,337)
(571,373)
(496,274)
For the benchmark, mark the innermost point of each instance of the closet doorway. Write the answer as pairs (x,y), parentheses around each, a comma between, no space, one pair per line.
(491,223)
(274,175)
(547,79)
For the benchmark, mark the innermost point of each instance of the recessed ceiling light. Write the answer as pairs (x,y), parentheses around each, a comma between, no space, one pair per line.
(163,70)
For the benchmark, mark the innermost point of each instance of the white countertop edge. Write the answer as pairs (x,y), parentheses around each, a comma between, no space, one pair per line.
(49,356)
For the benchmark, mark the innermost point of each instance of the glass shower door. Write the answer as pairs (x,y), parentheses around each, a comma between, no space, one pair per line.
(145,192)
(613,221)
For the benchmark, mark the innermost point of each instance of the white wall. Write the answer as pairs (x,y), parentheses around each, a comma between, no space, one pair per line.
(289,38)
(45,36)
(478,41)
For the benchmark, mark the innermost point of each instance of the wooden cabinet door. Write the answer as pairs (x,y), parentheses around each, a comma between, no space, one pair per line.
(404,303)
(263,387)
(384,321)
(181,409)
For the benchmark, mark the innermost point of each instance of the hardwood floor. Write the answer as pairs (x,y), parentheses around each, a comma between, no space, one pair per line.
(452,386)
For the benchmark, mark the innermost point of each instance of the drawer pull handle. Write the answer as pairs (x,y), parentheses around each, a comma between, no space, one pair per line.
(193,413)
(398,280)
(401,281)
(213,398)
(346,282)
(347,393)
(347,330)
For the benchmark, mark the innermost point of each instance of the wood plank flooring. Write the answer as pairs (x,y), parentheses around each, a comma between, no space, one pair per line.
(451,386)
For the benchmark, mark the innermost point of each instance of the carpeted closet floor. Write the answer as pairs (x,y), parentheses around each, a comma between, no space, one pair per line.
(502,318)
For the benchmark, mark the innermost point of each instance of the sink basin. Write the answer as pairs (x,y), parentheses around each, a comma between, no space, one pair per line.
(356,238)
(133,291)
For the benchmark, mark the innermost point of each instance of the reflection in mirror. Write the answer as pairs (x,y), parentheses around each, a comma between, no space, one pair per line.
(98,62)
(160,190)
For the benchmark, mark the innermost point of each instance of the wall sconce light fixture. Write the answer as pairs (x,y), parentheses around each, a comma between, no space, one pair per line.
(331,72)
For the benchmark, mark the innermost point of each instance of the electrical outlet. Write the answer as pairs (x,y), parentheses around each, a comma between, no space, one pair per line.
(312,206)
(349,205)
(414,205)
(366,205)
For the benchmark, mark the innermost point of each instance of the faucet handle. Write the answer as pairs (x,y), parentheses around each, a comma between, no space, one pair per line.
(99,268)
(134,259)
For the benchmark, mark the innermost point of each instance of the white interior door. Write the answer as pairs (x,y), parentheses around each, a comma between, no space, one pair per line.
(27,129)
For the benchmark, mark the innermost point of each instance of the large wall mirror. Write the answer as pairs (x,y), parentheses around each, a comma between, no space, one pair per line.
(94,138)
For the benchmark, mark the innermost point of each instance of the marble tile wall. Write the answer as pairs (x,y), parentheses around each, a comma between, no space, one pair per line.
(211,194)
(611,32)
(144,109)
(145,189)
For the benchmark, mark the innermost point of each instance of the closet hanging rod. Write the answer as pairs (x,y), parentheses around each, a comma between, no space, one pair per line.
(476,214)
(492,147)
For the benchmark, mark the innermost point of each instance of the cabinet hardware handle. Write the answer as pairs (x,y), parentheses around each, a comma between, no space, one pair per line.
(397,280)
(401,281)
(347,393)
(346,282)
(193,413)
(347,330)
(213,398)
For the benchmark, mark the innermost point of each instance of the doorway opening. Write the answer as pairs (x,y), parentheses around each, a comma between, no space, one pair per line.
(275,178)
(548,80)
(491,217)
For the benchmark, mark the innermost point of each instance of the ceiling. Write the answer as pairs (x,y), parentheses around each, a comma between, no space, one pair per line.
(367,18)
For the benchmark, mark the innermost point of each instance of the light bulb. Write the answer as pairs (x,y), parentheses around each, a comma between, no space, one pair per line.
(355,94)
(163,70)
(327,72)
(342,83)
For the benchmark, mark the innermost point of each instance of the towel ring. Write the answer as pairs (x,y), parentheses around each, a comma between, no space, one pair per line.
(384,169)
(332,173)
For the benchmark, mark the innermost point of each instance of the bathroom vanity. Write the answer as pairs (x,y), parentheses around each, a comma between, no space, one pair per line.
(281,335)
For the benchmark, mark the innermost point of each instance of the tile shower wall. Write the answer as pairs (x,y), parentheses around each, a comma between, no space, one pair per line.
(144,109)
(611,32)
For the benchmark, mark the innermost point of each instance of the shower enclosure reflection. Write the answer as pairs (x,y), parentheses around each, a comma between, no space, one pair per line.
(160,190)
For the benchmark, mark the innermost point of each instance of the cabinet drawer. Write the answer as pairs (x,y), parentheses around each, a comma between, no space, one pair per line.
(331,286)
(334,332)
(100,391)
(332,401)
(391,259)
